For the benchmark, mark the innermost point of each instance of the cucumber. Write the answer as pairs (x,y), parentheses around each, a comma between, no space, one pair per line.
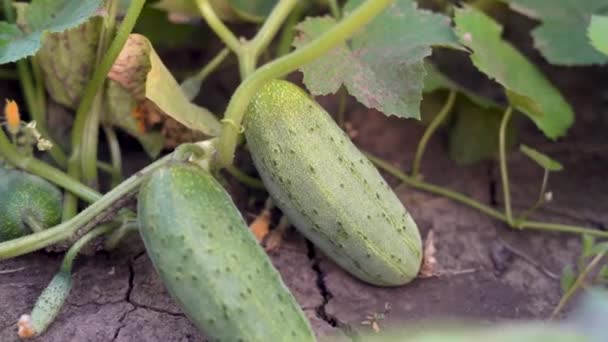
(328,189)
(27,203)
(211,264)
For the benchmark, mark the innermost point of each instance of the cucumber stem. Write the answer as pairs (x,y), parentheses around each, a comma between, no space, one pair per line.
(428,133)
(245,178)
(32,223)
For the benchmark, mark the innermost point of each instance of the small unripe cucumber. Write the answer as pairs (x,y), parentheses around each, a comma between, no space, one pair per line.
(27,203)
(210,262)
(329,190)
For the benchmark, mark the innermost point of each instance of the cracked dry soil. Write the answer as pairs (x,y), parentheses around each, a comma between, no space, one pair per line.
(118,297)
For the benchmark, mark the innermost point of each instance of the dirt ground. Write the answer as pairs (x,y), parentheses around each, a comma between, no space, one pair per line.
(118,296)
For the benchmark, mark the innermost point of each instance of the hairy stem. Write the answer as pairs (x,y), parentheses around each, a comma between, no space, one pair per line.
(577,284)
(115,154)
(504,174)
(458,197)
(245,178)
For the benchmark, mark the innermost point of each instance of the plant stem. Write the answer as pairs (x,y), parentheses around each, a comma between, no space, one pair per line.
(245,178)
(33,224)
(430,130)
(418,184)
(192,85)
(216,24)
(114,239)
(90,136)
(70,255)
(271,26)
(289,31)
(36,167)
(115,154)
(40,92)
(90,93)
(539,201)
(32,96)
(577,284)
(83,221)
(335,9)
(458,197)
(563,228)
(286,64)
(9,14)
(504,174)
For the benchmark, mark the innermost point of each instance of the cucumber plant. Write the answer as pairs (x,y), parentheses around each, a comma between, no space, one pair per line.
(330,191)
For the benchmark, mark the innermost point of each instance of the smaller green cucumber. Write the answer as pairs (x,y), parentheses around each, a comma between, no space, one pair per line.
(210,262)
(27,203)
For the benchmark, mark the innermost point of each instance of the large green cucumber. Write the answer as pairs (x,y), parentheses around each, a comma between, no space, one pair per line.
(329,190)
(210,262)
(27,203)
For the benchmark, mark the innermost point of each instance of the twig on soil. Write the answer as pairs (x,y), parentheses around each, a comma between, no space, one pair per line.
(15,270)
(529,260)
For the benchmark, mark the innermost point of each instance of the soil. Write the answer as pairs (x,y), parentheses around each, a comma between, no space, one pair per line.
(118,297)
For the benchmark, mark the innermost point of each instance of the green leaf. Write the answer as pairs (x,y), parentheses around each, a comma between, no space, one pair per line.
(382,66)
(567,279)
(473,134)
(42,16)
(562,35)
(528,90)
(598,33)
(542,160)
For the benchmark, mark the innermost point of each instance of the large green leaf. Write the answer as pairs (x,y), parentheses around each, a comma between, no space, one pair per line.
(562,36)
(598,33)
(526,87)
(39,17)
(382,66)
